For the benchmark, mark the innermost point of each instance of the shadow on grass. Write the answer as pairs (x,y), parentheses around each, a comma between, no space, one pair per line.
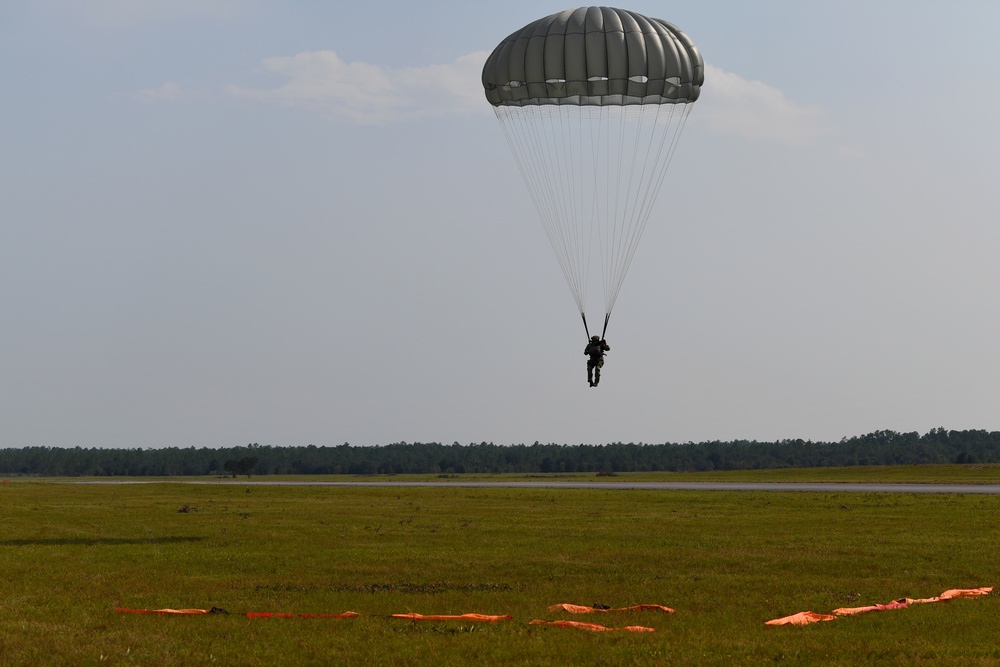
(96,541)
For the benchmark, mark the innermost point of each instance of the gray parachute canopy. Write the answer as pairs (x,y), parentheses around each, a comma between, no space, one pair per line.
(594,56)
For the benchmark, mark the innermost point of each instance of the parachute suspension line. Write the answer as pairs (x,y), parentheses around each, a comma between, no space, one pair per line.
(665,152)
(665,132)
(566,231)
(675,136)
(607,317)
(601,213)
(646,138)
(625,209)
(673,126)
(519,141)
(578,239)
(585,327)
(592,139)
(570,234)
(593,172)
(556,167)
(626,174)
(540,159)
(615,218)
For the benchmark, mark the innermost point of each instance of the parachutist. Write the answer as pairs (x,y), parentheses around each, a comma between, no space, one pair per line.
(595,350)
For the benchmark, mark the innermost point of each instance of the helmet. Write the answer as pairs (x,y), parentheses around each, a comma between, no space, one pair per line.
(595,339)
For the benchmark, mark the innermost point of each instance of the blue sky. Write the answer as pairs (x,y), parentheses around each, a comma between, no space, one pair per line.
(298,223)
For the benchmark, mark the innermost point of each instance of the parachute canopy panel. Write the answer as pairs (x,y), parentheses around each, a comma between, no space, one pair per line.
(594,56)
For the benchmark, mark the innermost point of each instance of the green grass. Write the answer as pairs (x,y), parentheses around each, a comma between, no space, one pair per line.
(727,562)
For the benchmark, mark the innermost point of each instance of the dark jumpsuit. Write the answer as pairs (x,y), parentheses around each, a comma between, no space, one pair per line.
(595,350)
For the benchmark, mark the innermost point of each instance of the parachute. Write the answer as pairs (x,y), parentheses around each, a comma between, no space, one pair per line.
(592,102)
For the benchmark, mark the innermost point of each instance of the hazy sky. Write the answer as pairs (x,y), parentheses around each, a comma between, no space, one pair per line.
(292,223)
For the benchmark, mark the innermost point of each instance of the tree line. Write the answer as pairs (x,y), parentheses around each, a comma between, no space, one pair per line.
(878,448)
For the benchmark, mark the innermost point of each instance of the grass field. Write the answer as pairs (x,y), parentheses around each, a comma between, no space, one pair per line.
(727,562)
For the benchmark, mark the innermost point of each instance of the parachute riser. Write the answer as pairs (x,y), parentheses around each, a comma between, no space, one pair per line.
(586,329)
